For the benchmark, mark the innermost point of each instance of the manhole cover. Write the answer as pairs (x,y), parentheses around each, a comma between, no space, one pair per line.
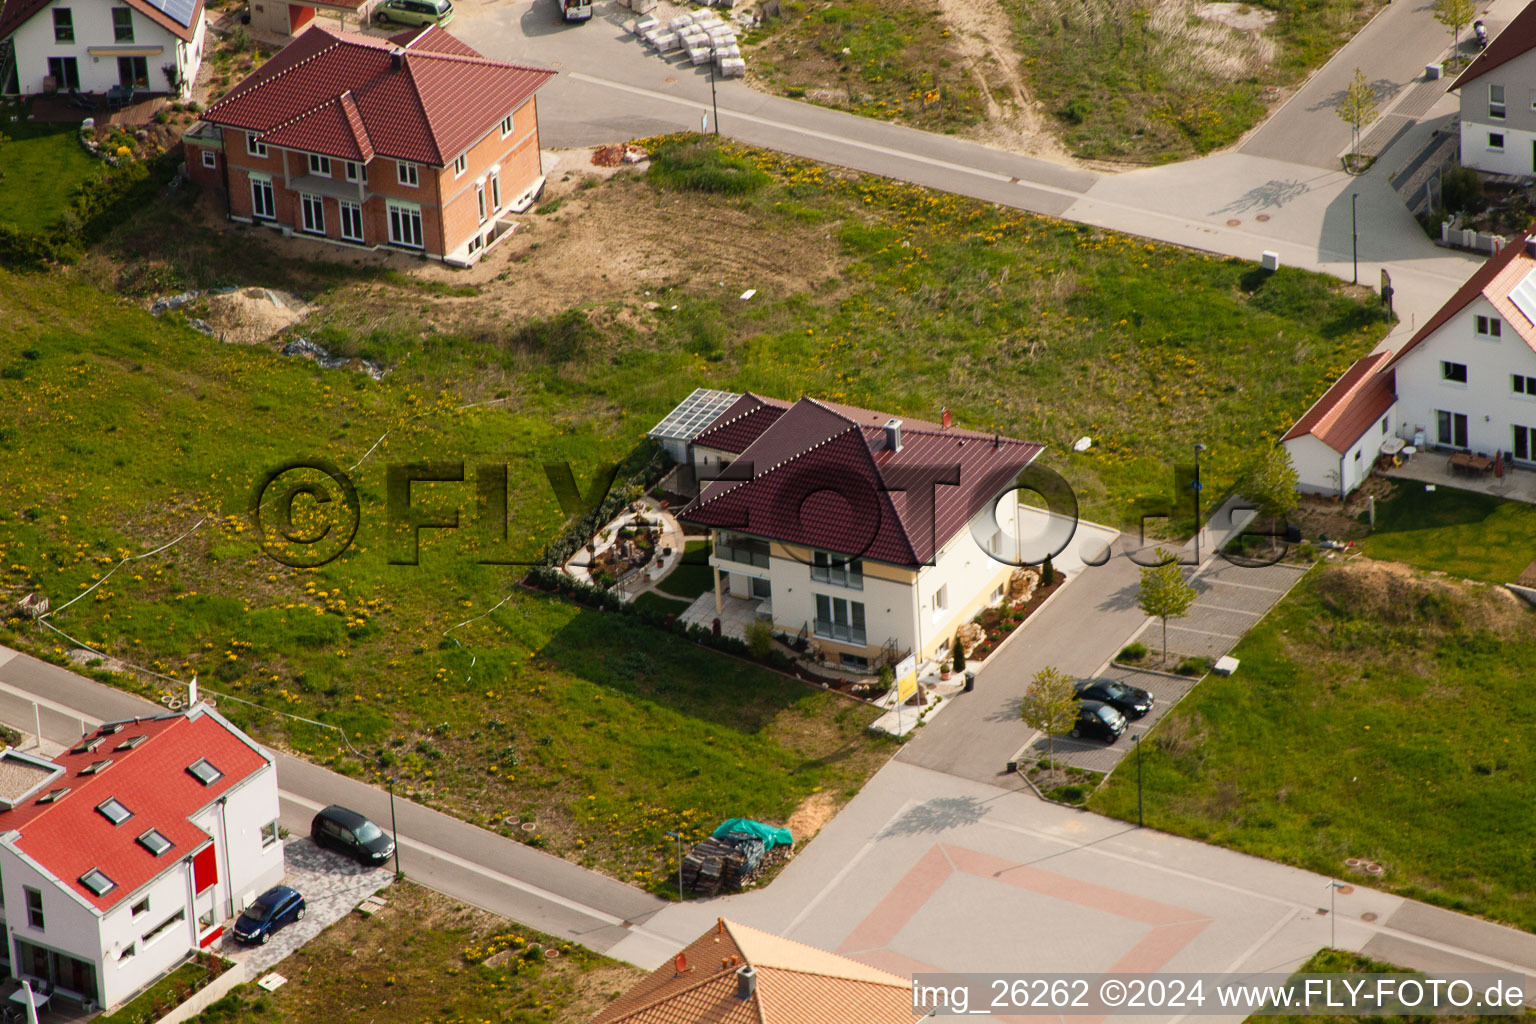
(1262,217)
(1234,222)
(1367,916)
(670,81)
(1345,890)
(557,63)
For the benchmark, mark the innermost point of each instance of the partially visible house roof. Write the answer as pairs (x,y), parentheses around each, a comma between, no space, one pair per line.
(821,478)
(1495,281)
(1357,400)
(179,17)
(144,765)
(422,97)
(740,425)
(1518,37)
(795,984)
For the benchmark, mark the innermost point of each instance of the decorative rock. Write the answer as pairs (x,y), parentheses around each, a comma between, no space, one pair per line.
(970,635)
(1022,583)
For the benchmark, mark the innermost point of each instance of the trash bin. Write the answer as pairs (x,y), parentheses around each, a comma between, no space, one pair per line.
(970,681)
(1292,533)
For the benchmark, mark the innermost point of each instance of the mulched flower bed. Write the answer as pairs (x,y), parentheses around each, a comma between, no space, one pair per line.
(1001,620)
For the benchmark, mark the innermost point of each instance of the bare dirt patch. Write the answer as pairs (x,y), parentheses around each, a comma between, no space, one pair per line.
(1243,17)
(1320,516)
(813,813)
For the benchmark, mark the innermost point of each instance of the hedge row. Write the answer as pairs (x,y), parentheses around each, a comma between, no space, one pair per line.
(96,206)
(549,578)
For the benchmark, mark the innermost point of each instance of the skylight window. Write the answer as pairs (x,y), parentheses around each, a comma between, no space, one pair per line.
(86,746)
(204,772)
(108,730)
(95,767)
(52,795)
(113,810)
(155,843)
(130,742)
(97,881)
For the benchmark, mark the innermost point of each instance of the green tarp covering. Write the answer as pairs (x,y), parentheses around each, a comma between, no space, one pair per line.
(770,836)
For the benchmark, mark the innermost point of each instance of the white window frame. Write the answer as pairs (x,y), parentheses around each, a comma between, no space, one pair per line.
(941,599)
(311,213)
(460,165)
(1523,384)
(354,170)
(263,181)
(343,207)
(1446,377)
(407,174)
(269,834)
(319,165)
(495,181)
(480,201)
(1496,142)
(400,214)
(507,124)
(210,160)
(1489,327)
(254,146)
(1496,106)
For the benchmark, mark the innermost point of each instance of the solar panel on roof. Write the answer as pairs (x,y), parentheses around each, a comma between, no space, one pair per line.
(179,11)
(694,413)
(1523,295)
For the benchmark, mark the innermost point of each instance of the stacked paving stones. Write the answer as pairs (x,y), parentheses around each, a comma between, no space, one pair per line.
(702,34)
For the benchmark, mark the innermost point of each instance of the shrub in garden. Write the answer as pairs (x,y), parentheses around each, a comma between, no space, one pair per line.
(1133,652)
(759,636)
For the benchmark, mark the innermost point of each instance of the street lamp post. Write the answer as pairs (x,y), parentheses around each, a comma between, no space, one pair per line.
(394,830)
(1354,234)
(1137,738)
(714,102)
(679,837)
(1198,449)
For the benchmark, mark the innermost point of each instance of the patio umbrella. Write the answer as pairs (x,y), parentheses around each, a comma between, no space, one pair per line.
(31,1004)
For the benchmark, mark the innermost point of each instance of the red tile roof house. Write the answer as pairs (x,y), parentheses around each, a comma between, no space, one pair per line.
(876,536)
(1465,381)
(414,142)
(122,856)
(92,45)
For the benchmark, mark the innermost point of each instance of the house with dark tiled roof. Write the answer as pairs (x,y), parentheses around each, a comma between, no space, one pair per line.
(1498,101)
(155,46)
(131,850)
(733,974)
(1465,382)
(415,142)
(876,536)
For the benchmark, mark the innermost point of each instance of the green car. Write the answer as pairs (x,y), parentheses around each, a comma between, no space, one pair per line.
(414,12)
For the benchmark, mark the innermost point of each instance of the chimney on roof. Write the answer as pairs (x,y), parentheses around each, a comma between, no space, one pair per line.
(945,418)
(1530,246)
(746,982)
(893,435)
(397,56)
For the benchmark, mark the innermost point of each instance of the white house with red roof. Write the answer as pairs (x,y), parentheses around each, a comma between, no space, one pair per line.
(1498,101)
(155,46)
(1465,381)
(131,850)
(415,142)
(875,535)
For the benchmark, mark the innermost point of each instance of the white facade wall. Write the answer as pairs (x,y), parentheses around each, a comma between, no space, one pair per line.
(35,43)
(1487,399)
(1321,470)
(70,925)
(1517,155)
(122,929)
(1513,120)
(251,868)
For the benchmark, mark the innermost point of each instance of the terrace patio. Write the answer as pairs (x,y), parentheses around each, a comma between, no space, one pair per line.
(1435,468)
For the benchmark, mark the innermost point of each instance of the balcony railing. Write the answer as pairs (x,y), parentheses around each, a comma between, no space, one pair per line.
(840,631)
(751,553)
(838,575)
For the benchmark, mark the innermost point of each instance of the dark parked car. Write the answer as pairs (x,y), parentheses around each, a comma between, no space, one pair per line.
(1097,720)
(351,834)
(1130,701)
(273,909)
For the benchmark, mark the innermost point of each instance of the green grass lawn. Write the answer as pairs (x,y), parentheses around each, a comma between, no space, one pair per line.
(693,575)
(607,733)
(1376,714)
(658,602)
(39,169)
(1338,961)
(153,1002)
(426,958)
(1156,84)
(1464,533)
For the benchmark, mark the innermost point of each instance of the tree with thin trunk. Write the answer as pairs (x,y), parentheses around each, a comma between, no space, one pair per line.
(1050,705)
(1453,14)
(1269,483)
(1165,594)
(1358,107)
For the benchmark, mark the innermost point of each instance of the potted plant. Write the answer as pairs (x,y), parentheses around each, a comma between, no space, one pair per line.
(944,666)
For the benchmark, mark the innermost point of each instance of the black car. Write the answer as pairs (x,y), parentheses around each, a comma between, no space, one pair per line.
(1097,720)
(273,909)
(352,834)
(1130,701)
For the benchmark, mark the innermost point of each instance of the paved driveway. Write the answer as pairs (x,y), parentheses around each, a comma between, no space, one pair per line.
(1096,755)
(1232,599)
(332,886)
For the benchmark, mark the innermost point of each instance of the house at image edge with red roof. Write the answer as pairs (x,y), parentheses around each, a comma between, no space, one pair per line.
(415,142)
(128,852)
(1465,382)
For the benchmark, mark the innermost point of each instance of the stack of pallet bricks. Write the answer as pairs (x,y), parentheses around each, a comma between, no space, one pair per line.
(702,34)
(723,862)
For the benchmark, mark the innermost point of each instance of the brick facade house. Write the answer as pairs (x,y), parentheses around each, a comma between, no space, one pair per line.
(414,142)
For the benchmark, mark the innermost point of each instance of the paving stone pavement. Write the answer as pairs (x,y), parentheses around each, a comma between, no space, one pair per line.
(1232,599)
(1096,755)
(332,886)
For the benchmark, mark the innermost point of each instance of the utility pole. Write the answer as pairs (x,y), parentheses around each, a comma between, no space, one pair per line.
(1354,234)
(1198,449)
(393,829)
(714,102)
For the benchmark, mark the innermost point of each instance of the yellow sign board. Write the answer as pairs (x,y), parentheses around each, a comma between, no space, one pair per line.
(906,679)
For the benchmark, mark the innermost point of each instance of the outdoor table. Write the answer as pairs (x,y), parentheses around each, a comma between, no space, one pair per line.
(1393,445)
(1469,463)
(19,999)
